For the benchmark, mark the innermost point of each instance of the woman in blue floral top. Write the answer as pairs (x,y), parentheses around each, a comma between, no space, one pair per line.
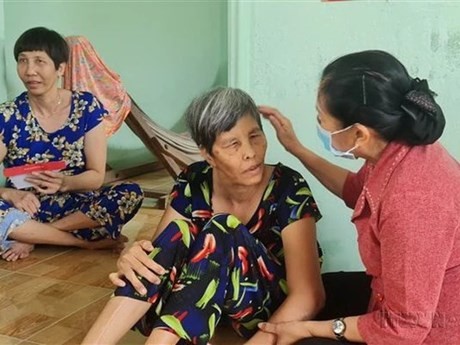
(238,241)
(46,124)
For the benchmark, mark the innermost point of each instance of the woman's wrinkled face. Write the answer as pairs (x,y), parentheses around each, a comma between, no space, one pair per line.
(238,155)
(37,71)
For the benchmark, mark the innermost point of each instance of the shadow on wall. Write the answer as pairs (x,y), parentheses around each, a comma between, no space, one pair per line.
(219,80)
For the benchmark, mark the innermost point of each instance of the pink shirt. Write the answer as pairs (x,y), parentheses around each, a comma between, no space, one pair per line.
(407,214)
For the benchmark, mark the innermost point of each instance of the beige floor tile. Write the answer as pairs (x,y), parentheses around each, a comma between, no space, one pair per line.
(79,266)
(71,329)
(5,340)
(29,303)
(58,335)
(143,226)
(39,254)
(4,273)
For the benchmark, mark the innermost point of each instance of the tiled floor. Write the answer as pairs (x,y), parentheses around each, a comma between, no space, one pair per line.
(54,296)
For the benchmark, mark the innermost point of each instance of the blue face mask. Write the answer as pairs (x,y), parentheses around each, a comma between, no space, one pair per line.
(326,139)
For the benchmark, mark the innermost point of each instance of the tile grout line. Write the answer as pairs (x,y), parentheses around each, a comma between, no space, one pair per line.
(10,337)
(21,271)
(44,260)
(61,280)
(12,270)
(29,341)
(65,317)
(7,274)
(32,265)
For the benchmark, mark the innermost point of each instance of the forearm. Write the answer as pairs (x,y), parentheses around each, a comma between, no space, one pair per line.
(330,175)
(323,329)
(292,309)
(295,309)
(86,181)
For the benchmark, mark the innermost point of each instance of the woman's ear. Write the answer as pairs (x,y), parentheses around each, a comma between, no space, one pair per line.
(206,156)
(363,135)
(61,69)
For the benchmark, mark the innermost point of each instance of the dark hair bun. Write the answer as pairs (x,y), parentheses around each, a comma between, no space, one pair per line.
(424,121)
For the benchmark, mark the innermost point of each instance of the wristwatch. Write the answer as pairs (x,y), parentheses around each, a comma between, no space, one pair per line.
(338,328)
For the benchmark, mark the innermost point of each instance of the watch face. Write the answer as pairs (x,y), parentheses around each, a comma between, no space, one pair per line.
(338,327)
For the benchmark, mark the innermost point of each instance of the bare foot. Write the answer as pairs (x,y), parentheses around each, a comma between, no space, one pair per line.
(107,243)
(18,250)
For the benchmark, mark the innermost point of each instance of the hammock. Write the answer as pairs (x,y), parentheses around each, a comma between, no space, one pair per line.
(86,71)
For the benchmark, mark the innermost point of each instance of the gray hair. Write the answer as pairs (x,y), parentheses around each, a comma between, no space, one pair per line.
(217,111)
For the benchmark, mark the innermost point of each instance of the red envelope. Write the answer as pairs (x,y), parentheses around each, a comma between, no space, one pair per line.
(19,173)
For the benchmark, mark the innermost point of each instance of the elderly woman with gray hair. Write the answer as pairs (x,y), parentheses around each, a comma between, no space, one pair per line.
(238,241)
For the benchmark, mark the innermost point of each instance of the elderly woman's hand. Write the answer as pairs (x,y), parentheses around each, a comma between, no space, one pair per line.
(284,130)
(22,200)
(135,263)
(46,182)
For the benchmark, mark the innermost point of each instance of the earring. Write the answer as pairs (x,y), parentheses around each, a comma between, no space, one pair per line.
(59,81)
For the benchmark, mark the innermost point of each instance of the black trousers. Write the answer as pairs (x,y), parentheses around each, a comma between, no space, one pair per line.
(347,294)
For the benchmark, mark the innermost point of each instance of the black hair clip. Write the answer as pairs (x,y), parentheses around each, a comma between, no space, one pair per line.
(422,100)
(363,84)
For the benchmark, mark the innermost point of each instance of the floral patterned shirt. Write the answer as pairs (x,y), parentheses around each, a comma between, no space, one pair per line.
(27,142)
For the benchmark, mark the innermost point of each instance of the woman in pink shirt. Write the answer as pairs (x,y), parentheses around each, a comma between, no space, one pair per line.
(406,202)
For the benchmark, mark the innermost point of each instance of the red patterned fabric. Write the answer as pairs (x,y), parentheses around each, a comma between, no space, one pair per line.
(86,71)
